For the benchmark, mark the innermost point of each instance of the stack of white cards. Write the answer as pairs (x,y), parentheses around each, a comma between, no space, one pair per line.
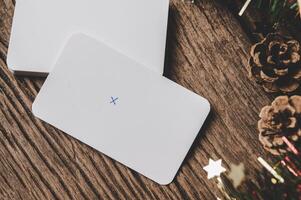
(105,85)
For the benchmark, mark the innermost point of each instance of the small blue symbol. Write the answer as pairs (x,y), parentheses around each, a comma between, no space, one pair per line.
(114,100)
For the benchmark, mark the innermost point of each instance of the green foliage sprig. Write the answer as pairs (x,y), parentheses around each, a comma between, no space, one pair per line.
(278,9)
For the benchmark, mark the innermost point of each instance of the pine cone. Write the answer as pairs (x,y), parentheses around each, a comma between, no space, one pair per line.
(275,63)
(281,118)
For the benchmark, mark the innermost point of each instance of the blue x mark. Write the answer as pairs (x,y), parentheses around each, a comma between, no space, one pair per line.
(114,100)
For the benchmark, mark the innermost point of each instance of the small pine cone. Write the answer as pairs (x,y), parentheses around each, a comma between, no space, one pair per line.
(275,63)
(281,118)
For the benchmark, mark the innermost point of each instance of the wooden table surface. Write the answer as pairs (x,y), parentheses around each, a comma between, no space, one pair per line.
(207,52)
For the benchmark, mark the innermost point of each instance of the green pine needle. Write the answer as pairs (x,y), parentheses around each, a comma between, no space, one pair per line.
(278,9)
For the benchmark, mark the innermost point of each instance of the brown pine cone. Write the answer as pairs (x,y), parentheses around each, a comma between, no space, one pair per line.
(281,118)
(275,63)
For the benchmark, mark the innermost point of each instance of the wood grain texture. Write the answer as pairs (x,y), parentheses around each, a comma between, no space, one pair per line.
(207,52)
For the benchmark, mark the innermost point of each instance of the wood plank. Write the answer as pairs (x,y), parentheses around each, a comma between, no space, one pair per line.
(207,53)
